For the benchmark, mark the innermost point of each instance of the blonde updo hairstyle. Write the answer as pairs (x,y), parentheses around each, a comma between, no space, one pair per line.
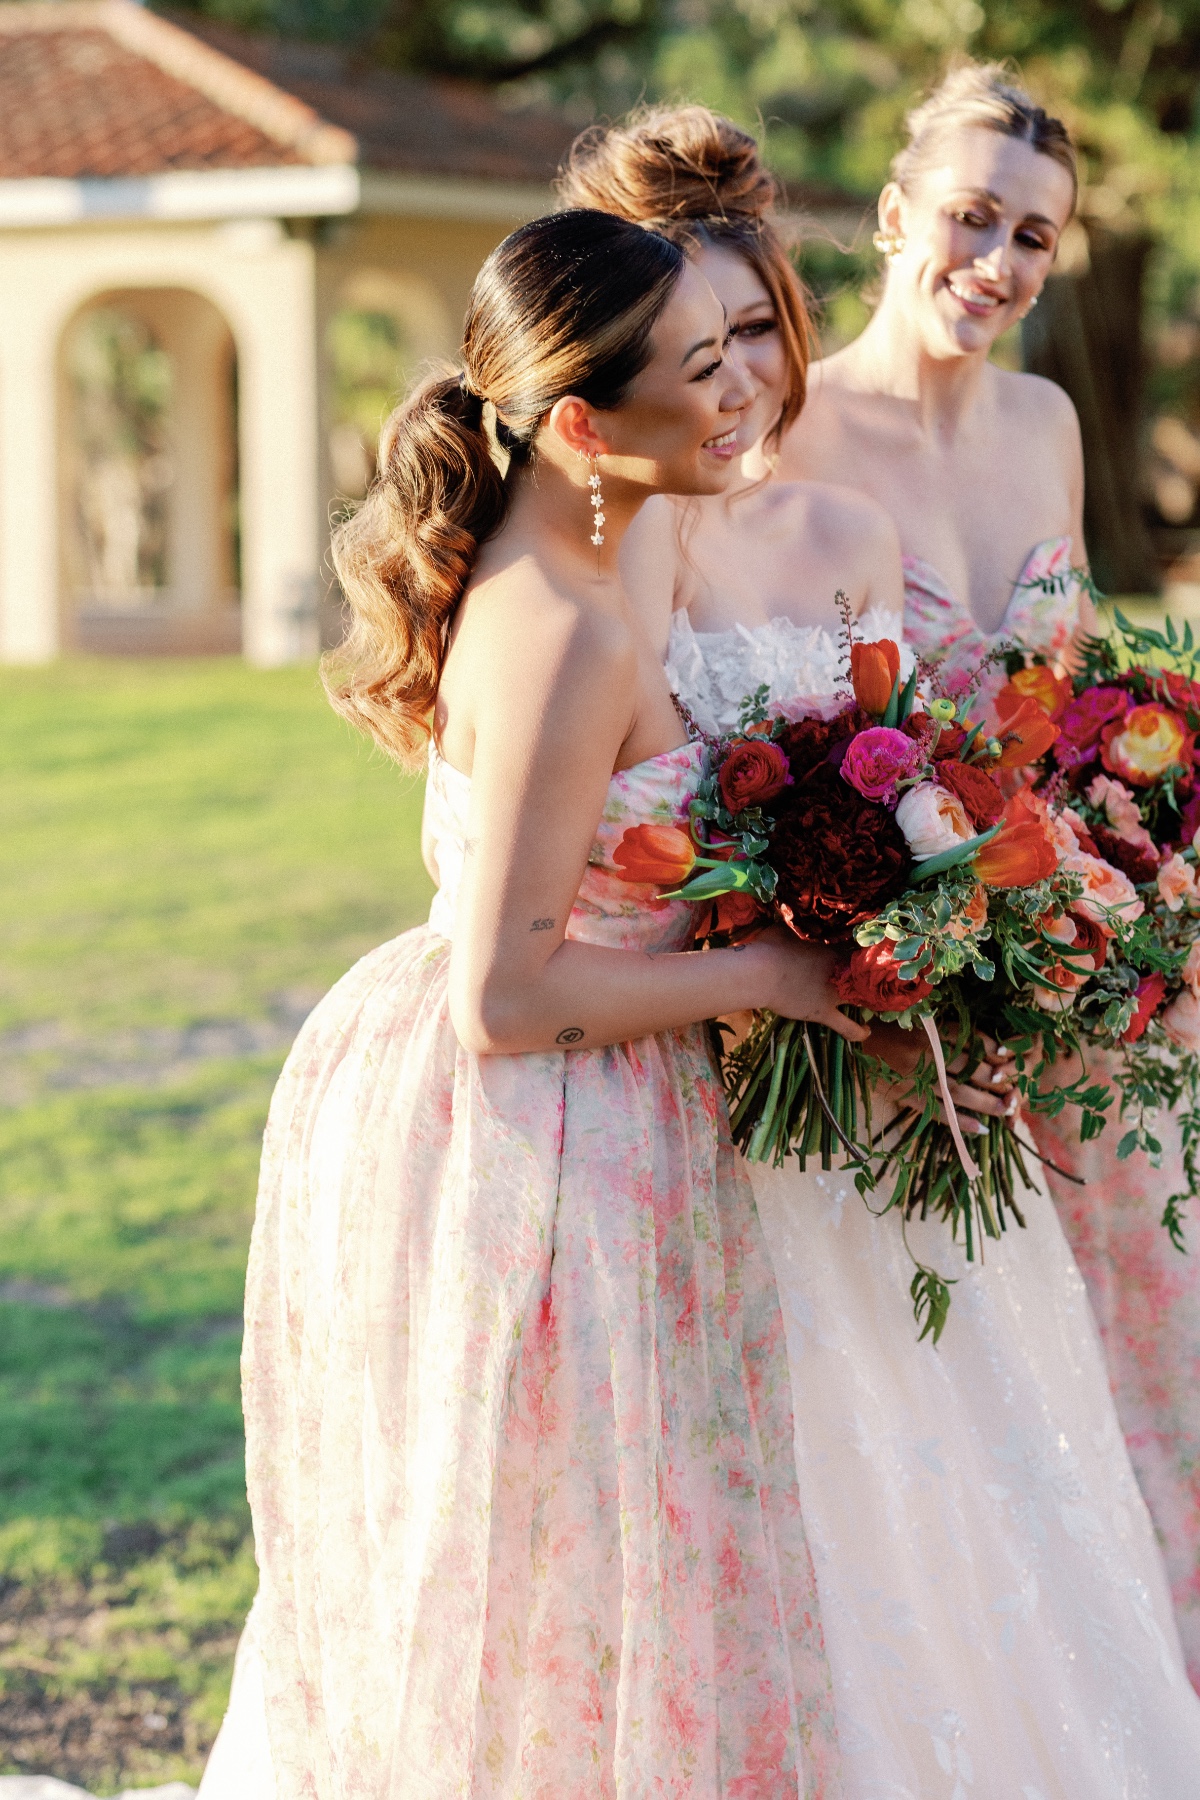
(987,95)
(566,305)
(699,179)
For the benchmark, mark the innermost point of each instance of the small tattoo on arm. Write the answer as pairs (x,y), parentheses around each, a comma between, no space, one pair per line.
(470,846)
(571,1035)
(542,925)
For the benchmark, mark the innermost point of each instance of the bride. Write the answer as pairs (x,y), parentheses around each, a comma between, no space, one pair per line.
(995,1609)
(517,1405)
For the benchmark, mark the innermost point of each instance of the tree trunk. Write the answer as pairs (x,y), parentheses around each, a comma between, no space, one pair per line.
(1086,335)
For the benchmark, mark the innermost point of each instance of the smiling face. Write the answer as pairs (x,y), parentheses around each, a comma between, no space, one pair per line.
(757,339)
(979,228)
(677,431)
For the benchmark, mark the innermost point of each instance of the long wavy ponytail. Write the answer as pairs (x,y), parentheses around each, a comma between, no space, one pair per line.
(566,305)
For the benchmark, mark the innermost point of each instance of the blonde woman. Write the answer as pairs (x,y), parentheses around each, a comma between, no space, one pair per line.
(981,470)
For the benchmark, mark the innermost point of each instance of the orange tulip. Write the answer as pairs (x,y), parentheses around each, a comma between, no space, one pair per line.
(1039,683)
(873,671)
(662,854)
(1026,734)
(1019,856)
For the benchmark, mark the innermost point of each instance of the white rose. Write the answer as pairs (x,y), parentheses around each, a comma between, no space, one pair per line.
(932,820)
(1181,1021)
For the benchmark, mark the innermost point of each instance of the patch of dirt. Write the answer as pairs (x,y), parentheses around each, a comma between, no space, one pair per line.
(90,1695)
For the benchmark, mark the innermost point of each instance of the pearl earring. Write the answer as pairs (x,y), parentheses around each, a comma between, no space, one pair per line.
(888,243)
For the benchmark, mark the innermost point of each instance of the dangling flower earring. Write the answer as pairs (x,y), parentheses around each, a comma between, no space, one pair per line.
(888,243)
(597,508)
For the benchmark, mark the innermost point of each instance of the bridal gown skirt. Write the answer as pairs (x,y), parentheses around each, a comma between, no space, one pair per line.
(995,1609)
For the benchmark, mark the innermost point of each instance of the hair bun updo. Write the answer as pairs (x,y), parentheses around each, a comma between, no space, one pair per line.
(697,178)
(665,164)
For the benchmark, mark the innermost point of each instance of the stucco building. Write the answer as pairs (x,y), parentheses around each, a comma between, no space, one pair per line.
(191,222)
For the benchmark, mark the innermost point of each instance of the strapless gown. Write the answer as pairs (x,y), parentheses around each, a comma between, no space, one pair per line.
(996,1615)
(1145,1295)
(517,1405)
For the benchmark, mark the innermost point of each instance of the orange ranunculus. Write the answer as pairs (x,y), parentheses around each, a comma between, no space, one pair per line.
(1026,734)
(873,671)
(1023,853)
(662,854)
(1144,744)
(1039,683)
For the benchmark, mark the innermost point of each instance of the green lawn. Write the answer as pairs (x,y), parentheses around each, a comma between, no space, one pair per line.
(190,853)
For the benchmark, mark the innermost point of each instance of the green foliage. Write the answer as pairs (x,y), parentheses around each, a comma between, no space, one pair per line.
(188,846)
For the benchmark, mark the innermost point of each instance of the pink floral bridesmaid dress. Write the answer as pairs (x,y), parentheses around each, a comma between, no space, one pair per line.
(517,1402)
(1145,1295)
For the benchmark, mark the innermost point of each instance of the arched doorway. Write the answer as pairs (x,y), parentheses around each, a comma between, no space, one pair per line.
(149,526)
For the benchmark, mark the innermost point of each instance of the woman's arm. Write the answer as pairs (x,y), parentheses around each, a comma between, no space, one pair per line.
(550,697)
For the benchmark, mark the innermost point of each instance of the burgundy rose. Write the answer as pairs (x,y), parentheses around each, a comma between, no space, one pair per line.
(810,742)
(1189,821)
(1130,858)
(1182,694)
(980,795)
(1082,721)
(877,759)
(839,858)
(755,770)
(1149,994)
(870,978)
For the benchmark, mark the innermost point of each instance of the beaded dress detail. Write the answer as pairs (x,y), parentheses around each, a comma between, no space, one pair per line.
(1145,1295)
(517,1402)
(996,1614)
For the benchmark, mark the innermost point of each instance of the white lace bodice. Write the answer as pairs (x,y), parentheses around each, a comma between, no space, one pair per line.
(803,666)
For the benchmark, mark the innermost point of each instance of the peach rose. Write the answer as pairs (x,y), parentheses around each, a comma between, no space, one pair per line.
(1177,884)
(1190,971)
(932,820)
(1181,1021)
(972,917)
(1106,890)
(1064,978)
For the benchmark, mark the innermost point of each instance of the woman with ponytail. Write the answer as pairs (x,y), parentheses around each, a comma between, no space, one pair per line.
(996,1616)
(517,1407)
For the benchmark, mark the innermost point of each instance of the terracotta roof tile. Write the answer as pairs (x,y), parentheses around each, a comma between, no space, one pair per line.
(404,123)
(77,103)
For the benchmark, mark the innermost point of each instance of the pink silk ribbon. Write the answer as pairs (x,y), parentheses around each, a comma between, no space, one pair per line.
(970,1166)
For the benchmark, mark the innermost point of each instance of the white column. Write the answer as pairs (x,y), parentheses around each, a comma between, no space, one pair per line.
(277,406)
(29,622)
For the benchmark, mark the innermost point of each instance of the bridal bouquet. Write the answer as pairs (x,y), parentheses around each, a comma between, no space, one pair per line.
(965,913)
(1121,771)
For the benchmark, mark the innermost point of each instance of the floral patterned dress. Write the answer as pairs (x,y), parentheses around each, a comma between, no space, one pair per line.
(517,1404)
(1145,1295)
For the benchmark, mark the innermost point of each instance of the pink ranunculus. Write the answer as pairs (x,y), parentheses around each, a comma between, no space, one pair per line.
(1181,1020)
(1123,813)
(1082,721)
(877,759)
(1190,972)
(932,820)
(1105,890)
(1177,883)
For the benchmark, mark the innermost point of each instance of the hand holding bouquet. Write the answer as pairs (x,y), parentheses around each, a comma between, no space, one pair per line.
(885,828)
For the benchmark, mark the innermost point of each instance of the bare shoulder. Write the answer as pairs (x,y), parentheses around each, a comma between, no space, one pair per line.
(528,636)
(1034,401)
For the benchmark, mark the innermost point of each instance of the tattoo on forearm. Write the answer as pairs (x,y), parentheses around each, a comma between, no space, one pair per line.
(542,925)
(571,1035)
(470,846)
